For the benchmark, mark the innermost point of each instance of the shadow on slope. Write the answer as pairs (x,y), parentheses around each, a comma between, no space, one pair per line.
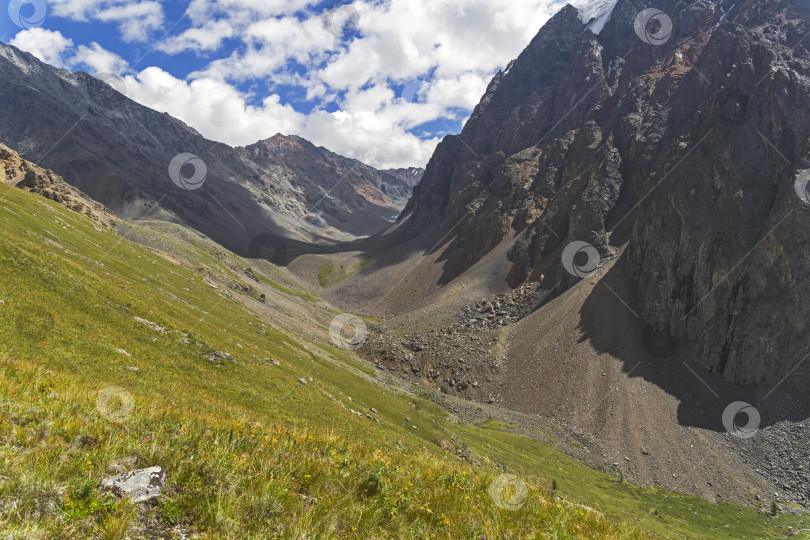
(610,323)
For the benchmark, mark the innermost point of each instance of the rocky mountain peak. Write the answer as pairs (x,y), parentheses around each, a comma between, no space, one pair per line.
(678,139)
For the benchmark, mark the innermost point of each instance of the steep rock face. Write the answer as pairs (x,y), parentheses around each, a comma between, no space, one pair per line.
(722,250)
(119,153)
(688,151)
(398,184)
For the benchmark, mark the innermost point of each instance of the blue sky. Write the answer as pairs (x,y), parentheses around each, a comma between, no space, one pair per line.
(380,81)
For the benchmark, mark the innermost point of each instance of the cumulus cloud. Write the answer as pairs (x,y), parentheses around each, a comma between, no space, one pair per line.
(409,63)
(48,45)
(53,48)
(220,112)
(135,20)
(98,60)
(207,37)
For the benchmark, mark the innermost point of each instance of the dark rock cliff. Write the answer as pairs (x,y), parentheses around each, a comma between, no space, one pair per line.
(685,148)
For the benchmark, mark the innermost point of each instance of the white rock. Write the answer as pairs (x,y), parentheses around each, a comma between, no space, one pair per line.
(139,485)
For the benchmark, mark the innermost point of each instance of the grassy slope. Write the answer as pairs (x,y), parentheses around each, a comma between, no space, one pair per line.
(249,451)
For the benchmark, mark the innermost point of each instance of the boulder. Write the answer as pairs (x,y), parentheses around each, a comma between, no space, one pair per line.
(139,485)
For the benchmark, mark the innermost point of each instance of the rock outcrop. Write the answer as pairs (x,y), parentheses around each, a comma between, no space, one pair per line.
(17,172)
(342,189)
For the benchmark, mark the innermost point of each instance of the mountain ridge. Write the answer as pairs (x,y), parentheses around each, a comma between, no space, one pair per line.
(119,153)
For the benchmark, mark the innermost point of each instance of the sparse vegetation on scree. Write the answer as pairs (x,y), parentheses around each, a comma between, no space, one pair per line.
(249,451)
(331,274)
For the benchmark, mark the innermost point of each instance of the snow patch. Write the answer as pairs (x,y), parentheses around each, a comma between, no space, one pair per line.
(595,13)
(9,54)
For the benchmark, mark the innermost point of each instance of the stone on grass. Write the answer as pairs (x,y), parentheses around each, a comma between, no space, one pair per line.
(139,486)
(154,326)
(219,357)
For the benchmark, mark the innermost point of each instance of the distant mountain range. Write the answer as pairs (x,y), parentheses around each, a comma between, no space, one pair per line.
(120,152)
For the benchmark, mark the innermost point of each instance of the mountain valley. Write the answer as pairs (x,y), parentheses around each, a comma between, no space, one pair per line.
(565,303)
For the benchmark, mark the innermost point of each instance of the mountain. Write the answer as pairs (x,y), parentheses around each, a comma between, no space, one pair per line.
(686,153)
(548,341)
(342,189)
(399,183)
(147,345)
(119,153)
(618,241)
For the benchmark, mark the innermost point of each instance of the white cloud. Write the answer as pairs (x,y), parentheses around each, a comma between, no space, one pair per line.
(47,45)
(452,48)
(215,108)
(98,60)
(53,48)
(135,20)
(219,112)
(201,10)
(208,37)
